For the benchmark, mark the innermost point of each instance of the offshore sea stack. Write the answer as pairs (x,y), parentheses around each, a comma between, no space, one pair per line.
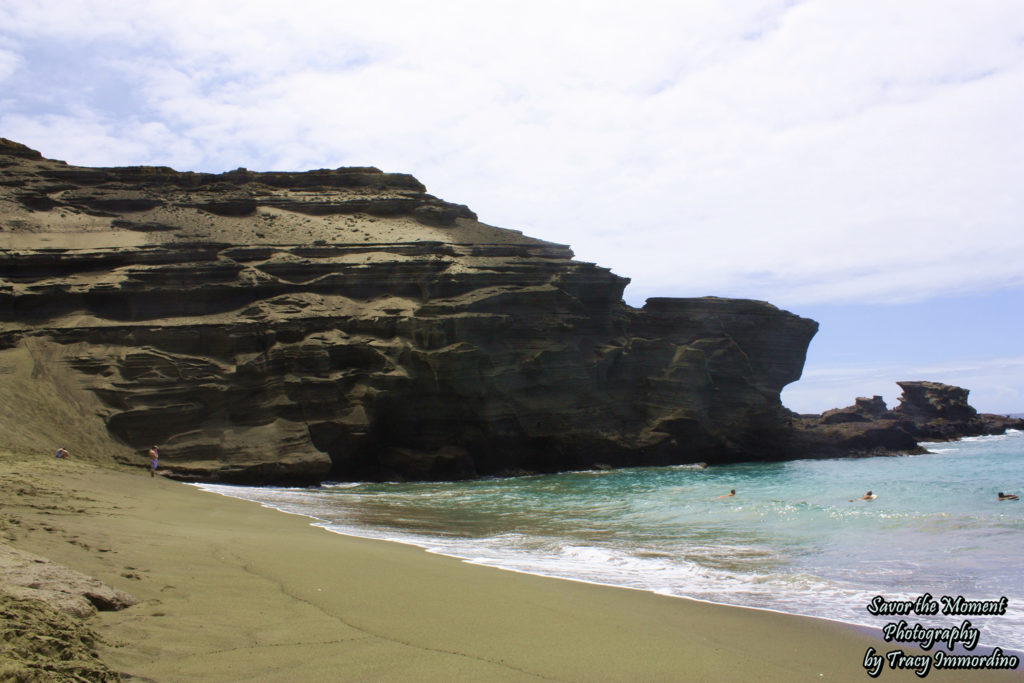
(345,324)
(928,411)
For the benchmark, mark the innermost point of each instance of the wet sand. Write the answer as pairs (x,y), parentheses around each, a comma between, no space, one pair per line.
(232,591)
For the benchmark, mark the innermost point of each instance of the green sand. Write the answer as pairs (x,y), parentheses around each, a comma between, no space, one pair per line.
(232,591)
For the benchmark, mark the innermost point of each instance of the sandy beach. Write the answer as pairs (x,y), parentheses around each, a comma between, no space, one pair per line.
(228,590)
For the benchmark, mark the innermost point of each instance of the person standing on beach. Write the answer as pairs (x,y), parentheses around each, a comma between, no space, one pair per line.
(154,460)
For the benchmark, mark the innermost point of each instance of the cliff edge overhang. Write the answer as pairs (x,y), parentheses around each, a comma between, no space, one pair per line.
(290,327)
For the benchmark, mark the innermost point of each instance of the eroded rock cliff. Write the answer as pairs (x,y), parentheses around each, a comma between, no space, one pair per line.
(928,411)
(289,327)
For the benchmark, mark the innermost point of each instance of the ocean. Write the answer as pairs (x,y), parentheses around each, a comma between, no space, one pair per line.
(795,538)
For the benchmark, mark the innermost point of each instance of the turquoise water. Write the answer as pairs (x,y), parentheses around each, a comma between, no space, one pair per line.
(790,540)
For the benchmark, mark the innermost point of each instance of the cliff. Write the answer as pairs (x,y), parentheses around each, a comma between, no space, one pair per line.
(290,327)
(928,411)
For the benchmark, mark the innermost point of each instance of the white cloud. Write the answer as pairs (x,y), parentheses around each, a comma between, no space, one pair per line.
(9,62)
(806,152)
(86,134)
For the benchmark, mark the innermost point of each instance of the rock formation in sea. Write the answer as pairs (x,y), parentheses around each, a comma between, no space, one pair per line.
(928,411)
(291,327)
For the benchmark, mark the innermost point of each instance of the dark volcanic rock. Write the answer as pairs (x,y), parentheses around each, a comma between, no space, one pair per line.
(288,327)
(10,148)
(940,412)
(928,411)
(863,410)
(865,428)
(924,401)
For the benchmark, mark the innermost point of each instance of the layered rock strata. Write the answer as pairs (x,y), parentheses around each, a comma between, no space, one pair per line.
(291,327)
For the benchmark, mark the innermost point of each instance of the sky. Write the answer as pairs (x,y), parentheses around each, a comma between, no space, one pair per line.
(859,162)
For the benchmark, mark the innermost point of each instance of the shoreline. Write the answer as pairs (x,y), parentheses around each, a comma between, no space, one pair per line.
(869,630)
(229,590)
(866,629)
(844,604)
